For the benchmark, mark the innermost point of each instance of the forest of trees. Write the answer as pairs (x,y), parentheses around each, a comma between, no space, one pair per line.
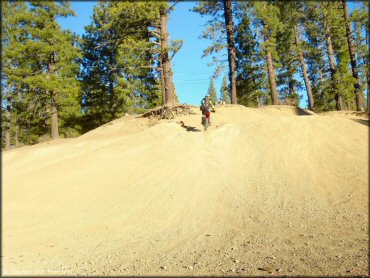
(57,84)
(274,43)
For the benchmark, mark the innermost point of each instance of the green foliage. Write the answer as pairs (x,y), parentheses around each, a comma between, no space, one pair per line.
(315,51)
(267,16)
(215,31)
(291,16)
(274,25)
(251,74)
(120,60)
(323,16)
(212,91)
(361,31)
(40,66)
(224,92)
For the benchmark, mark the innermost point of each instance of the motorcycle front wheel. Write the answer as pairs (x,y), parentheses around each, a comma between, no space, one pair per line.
(206,124)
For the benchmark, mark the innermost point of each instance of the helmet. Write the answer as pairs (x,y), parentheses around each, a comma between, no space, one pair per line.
(207,96)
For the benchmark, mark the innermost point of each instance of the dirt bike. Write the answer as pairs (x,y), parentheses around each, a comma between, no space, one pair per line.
(206,119)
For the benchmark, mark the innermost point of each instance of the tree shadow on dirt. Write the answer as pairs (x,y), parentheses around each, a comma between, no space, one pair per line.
(364,122)
(296,110)
(189,128)
(302,112)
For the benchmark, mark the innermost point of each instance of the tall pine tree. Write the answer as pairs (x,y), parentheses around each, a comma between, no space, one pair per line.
(12,37)
(251,75)
(352,55)
(51,64)
(360,19)
(212,91)
(267,17)
(146,24)
(224,92)
(220,29)
(42,64)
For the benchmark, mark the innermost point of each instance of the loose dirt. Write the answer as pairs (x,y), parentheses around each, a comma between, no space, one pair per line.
(265,191)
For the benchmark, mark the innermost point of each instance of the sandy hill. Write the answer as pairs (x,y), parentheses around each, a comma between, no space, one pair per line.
(273,190)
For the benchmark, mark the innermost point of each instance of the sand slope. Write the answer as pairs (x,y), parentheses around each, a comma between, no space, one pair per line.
(263,191)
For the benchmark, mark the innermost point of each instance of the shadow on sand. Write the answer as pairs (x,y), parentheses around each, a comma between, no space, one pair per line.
(289,108)
(302,112)
(189,128)
(364,122)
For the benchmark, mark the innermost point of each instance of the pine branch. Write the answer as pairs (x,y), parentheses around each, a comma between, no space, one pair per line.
(173,5)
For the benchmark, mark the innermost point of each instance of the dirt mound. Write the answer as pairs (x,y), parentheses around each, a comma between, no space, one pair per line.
(287,109)
(264,190)
(347,114)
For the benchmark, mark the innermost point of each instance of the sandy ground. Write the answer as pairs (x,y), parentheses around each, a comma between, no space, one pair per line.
(267,191)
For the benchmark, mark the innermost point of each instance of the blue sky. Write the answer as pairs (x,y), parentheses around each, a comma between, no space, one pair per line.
(191,72)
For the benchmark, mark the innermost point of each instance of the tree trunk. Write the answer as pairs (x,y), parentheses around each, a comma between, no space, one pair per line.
(367,71)
(111,92)
(54,119)
(258,101)
(54,110)
(170,99)
(311,103)
(321,76)
(292,88)
(8,117)
(16,136)
(111,97)
(228,13)
(162,84)
(352,55)
(293,91)
(54,124)
(271,73)
(333,68)
(272,78)
(348,105)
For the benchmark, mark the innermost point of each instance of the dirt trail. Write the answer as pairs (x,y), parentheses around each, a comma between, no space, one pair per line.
(264,191)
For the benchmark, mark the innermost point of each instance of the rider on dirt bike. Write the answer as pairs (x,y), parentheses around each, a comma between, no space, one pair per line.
(206,106)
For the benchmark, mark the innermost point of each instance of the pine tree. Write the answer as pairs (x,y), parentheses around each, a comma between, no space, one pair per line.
(11,40)
(267,15)
(251,76)
(231,50)
(328,34)
(315,56)
(124,39)
(352,54)
(146,49)
(212,91)
(310,96)
(360,20)
(31,34)
(219,26)
(166,69)
(224,92)
(291,53)
(51,64)
(324,32)
(100,100)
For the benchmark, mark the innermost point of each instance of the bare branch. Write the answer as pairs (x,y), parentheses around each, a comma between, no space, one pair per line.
(157,43)
(175,51)
(155,34)
(154,67)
